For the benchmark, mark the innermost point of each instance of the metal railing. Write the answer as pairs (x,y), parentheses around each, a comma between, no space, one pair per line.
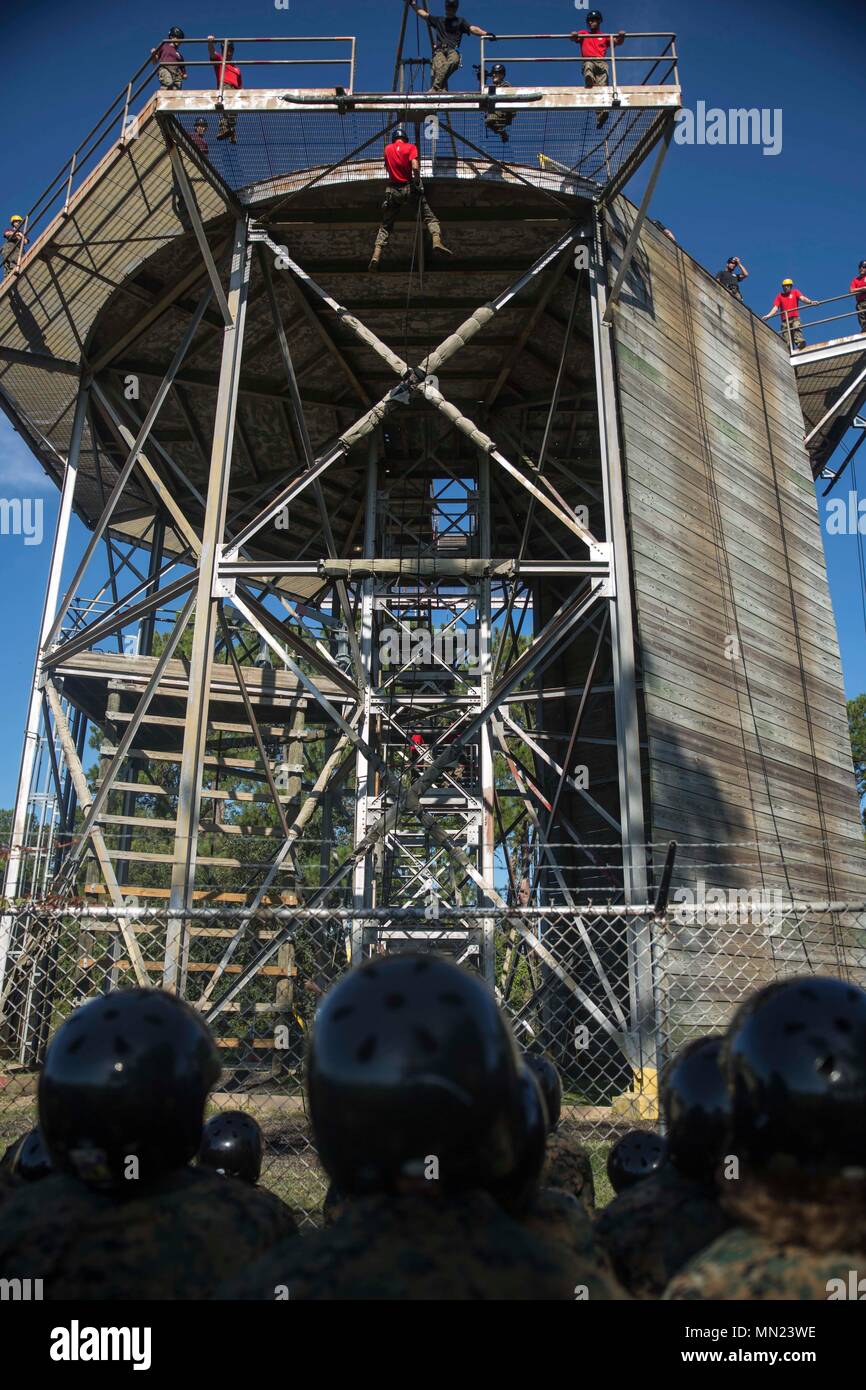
(787,333)
(107,132)
(668,57)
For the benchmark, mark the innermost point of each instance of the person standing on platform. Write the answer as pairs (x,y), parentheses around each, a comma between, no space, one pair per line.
(13,242)
(404,190)
(199,135)
(593,49)
(232,82)
(732,277)
(448,30)
(788,305)
(169,61)
(499,121)
(858,289)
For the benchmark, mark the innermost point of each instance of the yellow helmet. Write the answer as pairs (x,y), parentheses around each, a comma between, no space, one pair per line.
(787,282)
(16,217)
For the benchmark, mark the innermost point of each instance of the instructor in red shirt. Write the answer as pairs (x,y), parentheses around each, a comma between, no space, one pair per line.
(788,305)
(404,190)
(858,289)
(593,48)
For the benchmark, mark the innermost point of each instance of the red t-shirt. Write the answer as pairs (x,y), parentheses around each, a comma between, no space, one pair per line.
(859,283)
(233,74)
(593,45)
(398,159)
(788,303)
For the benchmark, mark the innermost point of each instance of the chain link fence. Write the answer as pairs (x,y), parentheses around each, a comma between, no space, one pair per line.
(610,993)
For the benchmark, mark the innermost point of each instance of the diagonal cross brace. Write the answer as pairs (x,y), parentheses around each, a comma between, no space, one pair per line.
(562,622)
(411,380)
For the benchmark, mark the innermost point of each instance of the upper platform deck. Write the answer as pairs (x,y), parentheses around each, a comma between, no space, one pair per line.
(116,203)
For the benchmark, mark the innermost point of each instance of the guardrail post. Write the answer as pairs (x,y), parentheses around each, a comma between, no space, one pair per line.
(483,64)
(23,247)
(223,70)
(69,183)
(125,111)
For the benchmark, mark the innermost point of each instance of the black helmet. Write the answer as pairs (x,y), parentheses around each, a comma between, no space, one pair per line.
(595,14)
(176,33)
(497,68)
(399,132)
(411,1061)
(795,1060)
(551,1087)
(231,1143)
(127,1075)
(28,1159)
(635,1156)
(518,1188)
(697,1109)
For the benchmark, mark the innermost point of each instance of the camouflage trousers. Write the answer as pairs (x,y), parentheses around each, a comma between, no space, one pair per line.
(227,130)
(397,197)
(595,73)
(861,316)
(11,251)
(792,328)
(445,62)
(170,77)
(499,121)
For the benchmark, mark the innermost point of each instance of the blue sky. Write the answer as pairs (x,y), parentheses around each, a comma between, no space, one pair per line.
(799,213)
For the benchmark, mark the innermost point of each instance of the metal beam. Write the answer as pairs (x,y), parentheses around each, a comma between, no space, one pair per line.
(82,791)
(641,984)
(201,659)
(126,471)
(199,232)
(642,211)
(120,754)
(34,712)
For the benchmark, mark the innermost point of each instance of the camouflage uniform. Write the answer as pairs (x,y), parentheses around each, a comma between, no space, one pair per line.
(742,1265)
(397,197)
(11,248)
(568,1167)
(176,1241)
(595,73)
(423,1247)
(792,330)
(654,1228)
(445,62)
(499,121)
(557,1216)
(8,1186)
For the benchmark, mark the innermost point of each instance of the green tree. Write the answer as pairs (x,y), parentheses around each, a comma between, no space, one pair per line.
(857,726)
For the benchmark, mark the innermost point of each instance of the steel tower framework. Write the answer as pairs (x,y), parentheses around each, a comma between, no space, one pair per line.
(432,475)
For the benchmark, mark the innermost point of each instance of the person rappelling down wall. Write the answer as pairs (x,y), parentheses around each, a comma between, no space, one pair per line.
(404,190)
